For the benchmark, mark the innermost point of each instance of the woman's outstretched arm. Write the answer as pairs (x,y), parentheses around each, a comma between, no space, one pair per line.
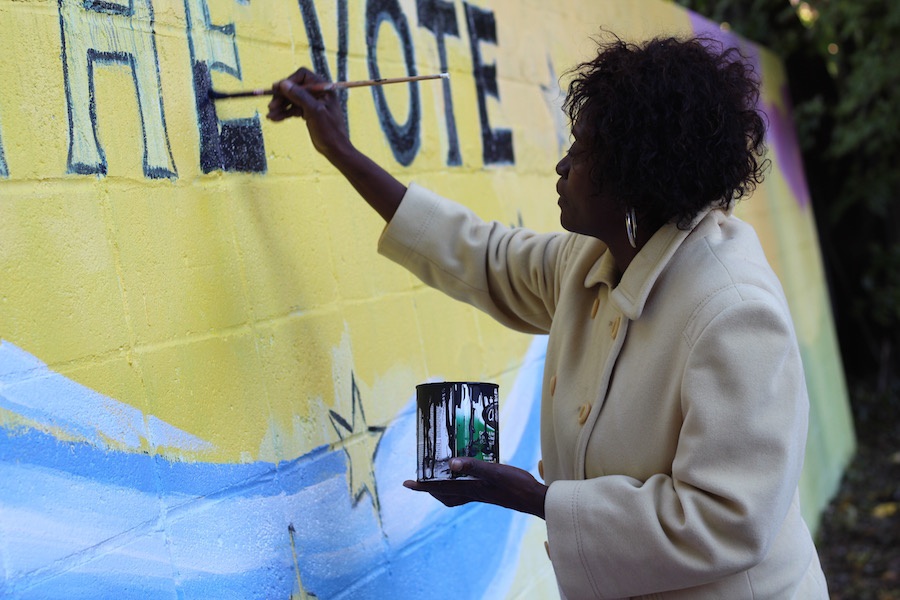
(325,122)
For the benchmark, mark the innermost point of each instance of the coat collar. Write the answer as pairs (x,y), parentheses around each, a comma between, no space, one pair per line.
(630,293)
(603,271)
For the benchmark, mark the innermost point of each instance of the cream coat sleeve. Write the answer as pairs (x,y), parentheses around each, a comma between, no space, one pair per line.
(523,298)
(734,475)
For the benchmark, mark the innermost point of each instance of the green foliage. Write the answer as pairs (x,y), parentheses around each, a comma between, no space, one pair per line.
(843,66)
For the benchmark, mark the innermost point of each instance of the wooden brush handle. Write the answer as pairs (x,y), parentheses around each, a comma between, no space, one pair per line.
(329,85)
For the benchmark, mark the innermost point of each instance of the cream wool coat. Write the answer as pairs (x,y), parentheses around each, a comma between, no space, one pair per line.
(674,410)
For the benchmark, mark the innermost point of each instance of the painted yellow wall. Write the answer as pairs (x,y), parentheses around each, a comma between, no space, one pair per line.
(188,295)
(240,305)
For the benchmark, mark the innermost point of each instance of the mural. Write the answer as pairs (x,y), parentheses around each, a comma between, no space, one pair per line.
(496,144)
(147,525)
(233,144)
(403,138)
(98,34)
(439,17)
(317,44)
(207,376)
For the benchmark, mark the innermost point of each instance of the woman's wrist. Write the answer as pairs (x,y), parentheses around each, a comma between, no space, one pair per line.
(381,190)
(341,153)
(538,500)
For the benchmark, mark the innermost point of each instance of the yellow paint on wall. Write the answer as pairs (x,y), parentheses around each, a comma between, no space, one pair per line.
(61,296)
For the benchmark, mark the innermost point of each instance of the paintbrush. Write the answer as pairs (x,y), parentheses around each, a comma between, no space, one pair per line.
(328,85)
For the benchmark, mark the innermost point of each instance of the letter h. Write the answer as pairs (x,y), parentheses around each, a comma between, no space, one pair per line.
(103,32)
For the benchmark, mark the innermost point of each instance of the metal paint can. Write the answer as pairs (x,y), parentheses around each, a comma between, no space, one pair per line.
(455,419)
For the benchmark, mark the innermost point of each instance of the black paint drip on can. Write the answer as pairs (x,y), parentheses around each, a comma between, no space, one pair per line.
(455,419)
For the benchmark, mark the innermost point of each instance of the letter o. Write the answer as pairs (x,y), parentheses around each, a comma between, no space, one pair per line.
(403,138)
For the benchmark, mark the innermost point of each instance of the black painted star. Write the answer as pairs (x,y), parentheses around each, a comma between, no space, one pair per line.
(360,441)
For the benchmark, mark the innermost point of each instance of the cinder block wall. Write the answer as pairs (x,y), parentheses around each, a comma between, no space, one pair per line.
(206,373)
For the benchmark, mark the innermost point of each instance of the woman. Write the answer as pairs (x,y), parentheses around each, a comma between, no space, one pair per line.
(674,410)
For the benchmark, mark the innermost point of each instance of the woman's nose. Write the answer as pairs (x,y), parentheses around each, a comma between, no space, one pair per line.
(562,167)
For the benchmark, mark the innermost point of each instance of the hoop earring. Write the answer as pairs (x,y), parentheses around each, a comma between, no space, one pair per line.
(631,227)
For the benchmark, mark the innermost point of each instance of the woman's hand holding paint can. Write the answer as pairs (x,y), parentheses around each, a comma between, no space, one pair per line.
(458,450)
(502,485)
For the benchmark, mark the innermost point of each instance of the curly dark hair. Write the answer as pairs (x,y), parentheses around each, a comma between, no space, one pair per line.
(672,125)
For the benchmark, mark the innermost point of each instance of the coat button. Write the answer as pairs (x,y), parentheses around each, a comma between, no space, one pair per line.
(583,411)
(615,327)
(541,468)
(547,548)
(595,308)
(553,385)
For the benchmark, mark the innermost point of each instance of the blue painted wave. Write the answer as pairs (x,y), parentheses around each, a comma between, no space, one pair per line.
(81,520)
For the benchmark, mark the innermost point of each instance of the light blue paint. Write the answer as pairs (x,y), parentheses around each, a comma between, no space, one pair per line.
(29,388)
(81,520)
(4,171)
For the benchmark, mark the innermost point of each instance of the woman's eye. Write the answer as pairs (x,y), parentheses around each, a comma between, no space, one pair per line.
(575,150)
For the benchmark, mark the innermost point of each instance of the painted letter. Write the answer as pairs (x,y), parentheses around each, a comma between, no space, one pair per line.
(496,143)
(439,17)
(404,139)
(317,45)
(235,144)
(100,32)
